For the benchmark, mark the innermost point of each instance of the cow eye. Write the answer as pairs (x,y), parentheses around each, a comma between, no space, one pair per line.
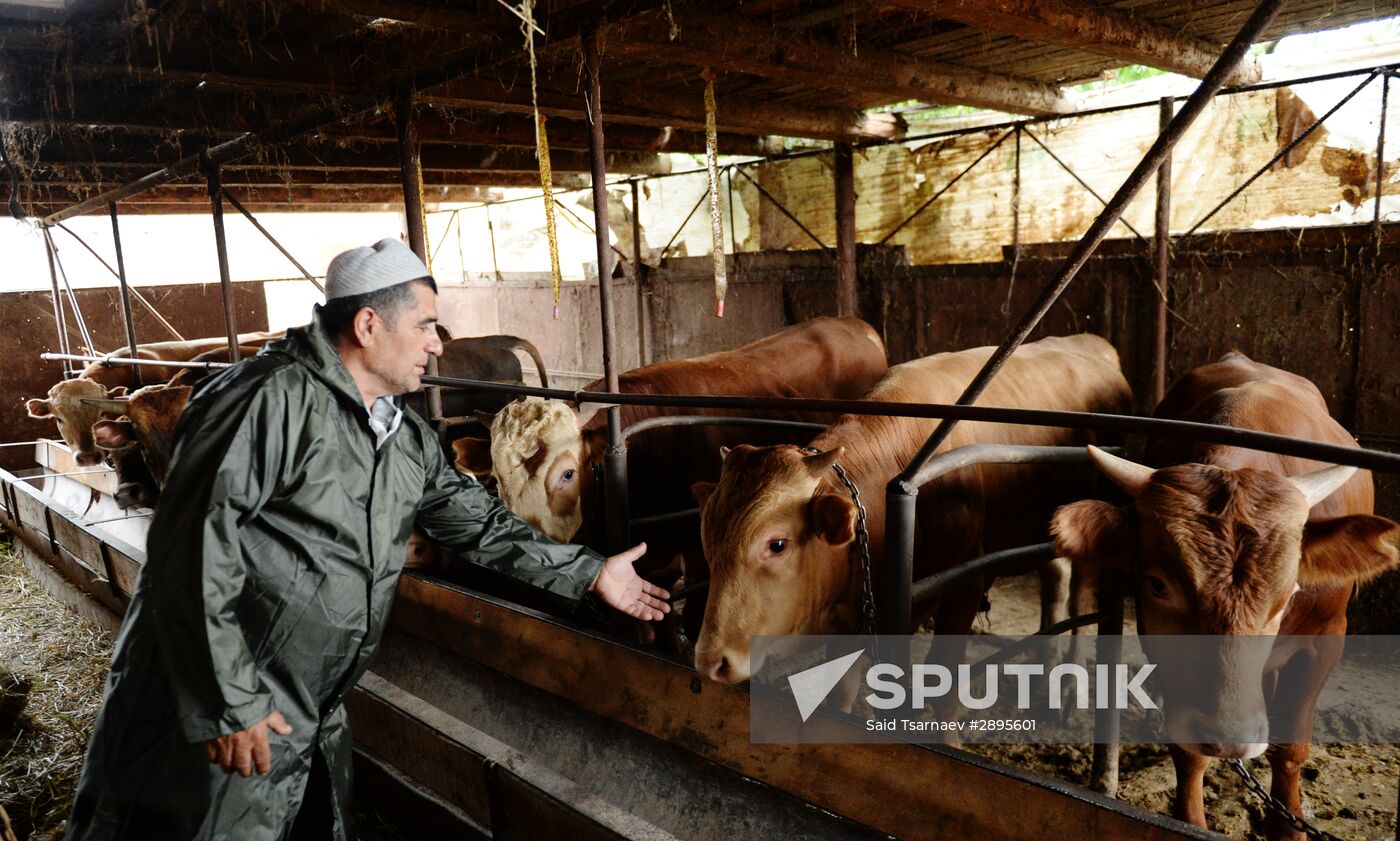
(1159,587)
(777,547)
(568,476)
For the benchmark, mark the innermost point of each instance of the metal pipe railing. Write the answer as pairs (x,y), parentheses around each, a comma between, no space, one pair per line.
(717,420)
(1097,421)
(125,360)
(1005,562)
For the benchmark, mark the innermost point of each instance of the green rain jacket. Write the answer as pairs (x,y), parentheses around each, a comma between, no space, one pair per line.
(271,566)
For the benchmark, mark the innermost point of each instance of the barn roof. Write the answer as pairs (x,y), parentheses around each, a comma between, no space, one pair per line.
(97,93)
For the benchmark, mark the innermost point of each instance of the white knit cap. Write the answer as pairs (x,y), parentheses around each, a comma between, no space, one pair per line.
(371,268)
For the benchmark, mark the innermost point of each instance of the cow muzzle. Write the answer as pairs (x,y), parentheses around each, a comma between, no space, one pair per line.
(1209,735)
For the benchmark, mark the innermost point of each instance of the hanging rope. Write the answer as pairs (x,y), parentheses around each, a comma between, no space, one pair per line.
(527,15)
(712,168)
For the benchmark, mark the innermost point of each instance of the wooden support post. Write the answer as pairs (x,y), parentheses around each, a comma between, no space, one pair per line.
(60,322)
(127,324)
(615,462)
(216,205)
(411,173)
(847,302)
(1162,257)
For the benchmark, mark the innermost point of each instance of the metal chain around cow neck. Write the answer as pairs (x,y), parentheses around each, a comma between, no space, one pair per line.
(867,592)
(1278,807)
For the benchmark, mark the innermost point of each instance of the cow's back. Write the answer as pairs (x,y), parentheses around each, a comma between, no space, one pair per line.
(1073,373)
(1240,393)
(830,358)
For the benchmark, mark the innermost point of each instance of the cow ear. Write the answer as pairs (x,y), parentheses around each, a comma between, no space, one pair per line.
(119,391)
(1094,535)
(114,434)
(473,456)
(702,492)
(834,519)
(37,408)
(1348,549)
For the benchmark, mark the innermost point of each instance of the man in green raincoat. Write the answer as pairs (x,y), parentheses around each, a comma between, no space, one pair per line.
(271,565)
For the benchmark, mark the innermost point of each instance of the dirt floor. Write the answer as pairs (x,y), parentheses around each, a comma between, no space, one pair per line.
(1348,790)
(52,667)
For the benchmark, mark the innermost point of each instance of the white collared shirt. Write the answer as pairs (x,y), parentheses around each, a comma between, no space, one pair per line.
(384,418)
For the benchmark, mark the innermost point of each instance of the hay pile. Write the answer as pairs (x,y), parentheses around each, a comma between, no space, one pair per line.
(52,665)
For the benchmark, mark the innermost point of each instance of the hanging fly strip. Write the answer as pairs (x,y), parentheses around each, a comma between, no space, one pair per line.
(527,15)
(712,168)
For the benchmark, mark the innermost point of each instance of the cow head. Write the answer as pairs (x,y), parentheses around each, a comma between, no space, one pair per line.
(1220,552)
(65,404)
(150,417)
(540,460)
(776,538)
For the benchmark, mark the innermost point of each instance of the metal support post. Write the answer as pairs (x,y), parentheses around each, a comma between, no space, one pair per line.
(639,275)
(411,173)
(1103,774)
(216,204)
(1161,245)
(127,324)
(615,461)
(847,302)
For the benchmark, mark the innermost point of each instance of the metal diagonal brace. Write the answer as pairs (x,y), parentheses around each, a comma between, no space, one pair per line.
(1082,182)
(946,187)
(785,212)
(237,205)
(135,293)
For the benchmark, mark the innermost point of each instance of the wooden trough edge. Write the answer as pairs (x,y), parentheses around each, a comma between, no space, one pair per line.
(940,792)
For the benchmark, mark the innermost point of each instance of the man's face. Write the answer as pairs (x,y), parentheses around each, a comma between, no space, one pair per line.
(399,353)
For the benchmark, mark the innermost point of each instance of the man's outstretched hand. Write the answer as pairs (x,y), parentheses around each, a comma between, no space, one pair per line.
(247,750)
(621,587)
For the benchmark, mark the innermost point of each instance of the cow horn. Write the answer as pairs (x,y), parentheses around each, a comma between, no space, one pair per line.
(723,452)
(106,404)
(1320,484)
(1128,475)
(821,462)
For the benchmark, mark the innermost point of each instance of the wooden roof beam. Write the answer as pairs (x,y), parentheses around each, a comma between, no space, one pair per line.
(642,108)
(1085,26)
(740,45)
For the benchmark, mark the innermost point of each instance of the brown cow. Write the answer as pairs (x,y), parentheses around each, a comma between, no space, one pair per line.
(1228,541)
(544,453)
(779,527)
(99,380)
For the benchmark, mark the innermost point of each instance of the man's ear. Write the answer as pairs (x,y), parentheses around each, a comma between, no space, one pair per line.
(1348,549)
(833,519)
(702,492)
(1094,535)
(114,434)
(363,325)
(37,408)
(473,455)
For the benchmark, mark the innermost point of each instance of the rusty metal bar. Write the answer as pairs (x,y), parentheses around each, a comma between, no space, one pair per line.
(1103,771)
(946,187)
(124,360)
(1085,184)
(237,205)
(844,175)
(216,204)
(128,326)
(788,213)
(1006,562)
(60,322)
(615,459)
(135,293)
(717,420)
(1161,248)
(1281,153)
(639,275)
